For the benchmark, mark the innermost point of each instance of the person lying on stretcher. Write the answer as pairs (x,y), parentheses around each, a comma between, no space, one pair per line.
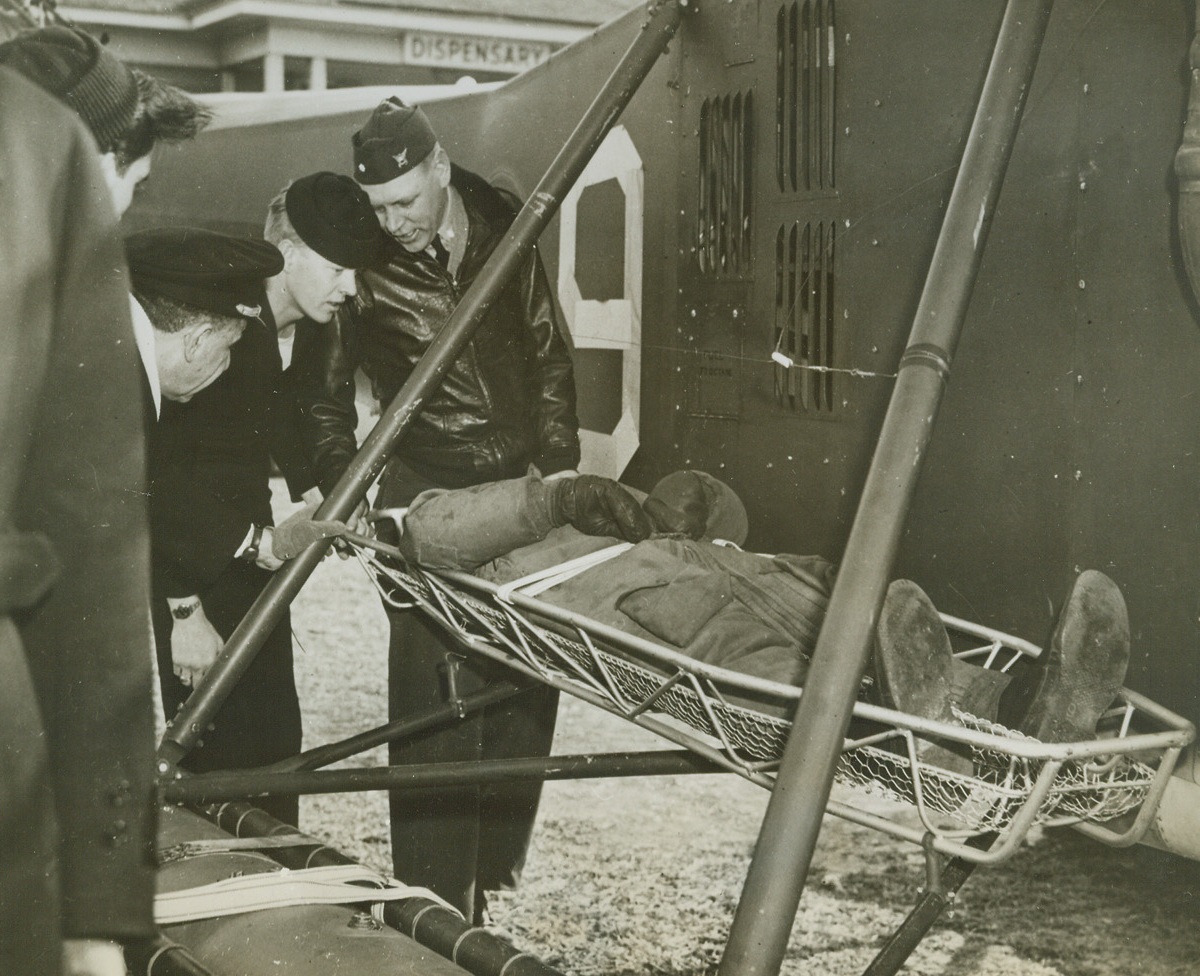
(683,581)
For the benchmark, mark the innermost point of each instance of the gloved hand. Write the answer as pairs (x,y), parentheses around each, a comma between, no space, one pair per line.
(597,506)
(299,531)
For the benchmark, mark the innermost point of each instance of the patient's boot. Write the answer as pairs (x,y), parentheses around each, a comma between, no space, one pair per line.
(915,668)
(976,690)
(1080,672)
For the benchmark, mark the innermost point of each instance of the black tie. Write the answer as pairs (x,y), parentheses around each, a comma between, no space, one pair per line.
(440,254)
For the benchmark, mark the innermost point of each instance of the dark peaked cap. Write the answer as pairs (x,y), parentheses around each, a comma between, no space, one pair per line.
(209,271)
(333,216)
(395,140)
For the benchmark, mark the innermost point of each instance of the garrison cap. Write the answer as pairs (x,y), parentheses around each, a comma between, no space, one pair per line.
(700,505)
(203,269)
(333,216)
(73,66)
(395,140)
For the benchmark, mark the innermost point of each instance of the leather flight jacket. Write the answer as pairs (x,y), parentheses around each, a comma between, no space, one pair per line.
(506,402)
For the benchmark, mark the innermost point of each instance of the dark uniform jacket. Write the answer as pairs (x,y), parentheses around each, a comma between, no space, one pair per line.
(210,463)
(509,399)
(77,744)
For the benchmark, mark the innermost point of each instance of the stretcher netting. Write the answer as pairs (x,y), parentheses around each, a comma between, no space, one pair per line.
(1108,787)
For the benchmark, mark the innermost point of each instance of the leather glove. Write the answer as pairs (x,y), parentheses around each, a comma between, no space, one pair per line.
(597,506)
(678,505)
(299,531)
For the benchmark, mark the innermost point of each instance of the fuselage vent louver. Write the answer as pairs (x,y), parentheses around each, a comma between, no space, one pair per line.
(804,317)
(805,96)
(724,209)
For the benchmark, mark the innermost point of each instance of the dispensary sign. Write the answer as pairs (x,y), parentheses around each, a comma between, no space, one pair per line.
(488,53)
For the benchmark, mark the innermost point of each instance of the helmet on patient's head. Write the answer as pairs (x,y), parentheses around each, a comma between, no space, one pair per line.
(695,504)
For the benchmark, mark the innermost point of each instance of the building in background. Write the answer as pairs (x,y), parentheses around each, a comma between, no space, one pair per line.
(283,45)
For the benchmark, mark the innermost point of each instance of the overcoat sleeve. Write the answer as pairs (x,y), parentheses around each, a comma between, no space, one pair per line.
(196,533)
(82,485)
(210,468)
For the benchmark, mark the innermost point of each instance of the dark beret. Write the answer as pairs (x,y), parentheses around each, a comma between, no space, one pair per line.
(73,66)
(396,139)
(333,216)
(206,270)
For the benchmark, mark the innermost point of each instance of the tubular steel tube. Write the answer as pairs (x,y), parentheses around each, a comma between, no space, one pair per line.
(901,944)
(422,920)
(775,881)
(335,751)
(239,784)
(917,923)
(162,957)
(581,145)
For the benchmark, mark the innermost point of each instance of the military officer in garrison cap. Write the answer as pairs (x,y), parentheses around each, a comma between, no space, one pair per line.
(506,405)
(213,541)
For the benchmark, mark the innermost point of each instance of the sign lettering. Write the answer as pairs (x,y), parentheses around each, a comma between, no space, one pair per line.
(491,54)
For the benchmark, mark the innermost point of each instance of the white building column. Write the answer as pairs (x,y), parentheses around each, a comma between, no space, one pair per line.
(273,73)
(318,74)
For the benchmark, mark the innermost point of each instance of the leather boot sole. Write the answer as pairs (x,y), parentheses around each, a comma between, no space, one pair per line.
(1083,667)
(914,667)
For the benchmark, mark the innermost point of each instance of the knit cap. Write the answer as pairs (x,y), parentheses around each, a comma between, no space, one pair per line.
(76,68)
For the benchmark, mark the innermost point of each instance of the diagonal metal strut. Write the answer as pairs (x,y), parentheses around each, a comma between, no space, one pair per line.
(771,895)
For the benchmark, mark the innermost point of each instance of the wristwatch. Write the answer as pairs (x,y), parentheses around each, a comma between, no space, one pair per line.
(250,553)
(185,610)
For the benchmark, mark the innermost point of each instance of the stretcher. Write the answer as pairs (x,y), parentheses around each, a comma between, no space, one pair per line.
(1107,787)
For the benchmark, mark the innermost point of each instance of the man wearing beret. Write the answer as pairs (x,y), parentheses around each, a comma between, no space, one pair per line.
(214,544)
(506,405)
(77,812)
(324,227)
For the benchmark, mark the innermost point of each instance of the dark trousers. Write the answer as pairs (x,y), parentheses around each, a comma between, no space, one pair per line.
(467,840)
(260,721)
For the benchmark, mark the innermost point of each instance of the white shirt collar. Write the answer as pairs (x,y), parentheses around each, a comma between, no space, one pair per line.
(143,335)
(454,228)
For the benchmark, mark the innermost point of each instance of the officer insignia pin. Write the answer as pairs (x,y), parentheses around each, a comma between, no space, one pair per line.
(401,158)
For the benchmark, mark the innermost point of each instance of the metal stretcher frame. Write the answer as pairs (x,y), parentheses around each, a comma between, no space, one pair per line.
(530,635)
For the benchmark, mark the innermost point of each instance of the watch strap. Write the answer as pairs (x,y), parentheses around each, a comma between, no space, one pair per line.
(185,610)
(250,553)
